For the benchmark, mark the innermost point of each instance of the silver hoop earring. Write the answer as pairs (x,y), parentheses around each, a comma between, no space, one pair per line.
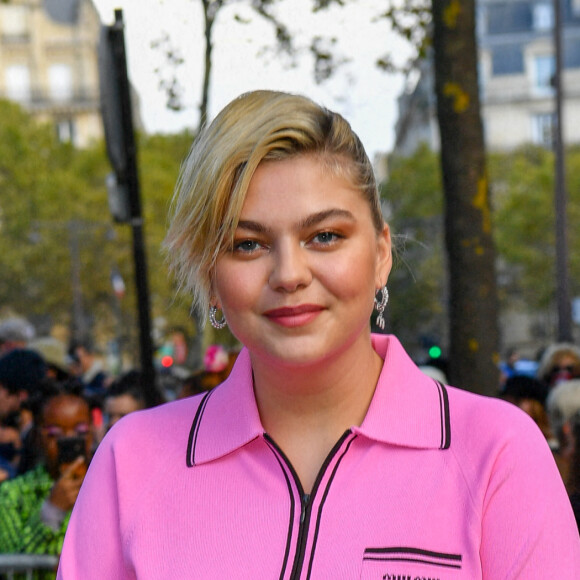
(217,324)
(380,306)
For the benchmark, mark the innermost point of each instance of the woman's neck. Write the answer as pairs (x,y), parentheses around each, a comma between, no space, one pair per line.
(307,409)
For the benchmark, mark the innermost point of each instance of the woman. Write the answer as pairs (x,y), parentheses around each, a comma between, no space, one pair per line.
(326,453)
(36,506)
(560,362)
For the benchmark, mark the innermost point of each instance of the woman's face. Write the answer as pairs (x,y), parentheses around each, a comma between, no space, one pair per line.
(298,284)
(64,416)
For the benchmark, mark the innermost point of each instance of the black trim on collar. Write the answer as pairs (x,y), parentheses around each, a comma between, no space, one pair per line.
(275,450)
(192,440)
(445,417)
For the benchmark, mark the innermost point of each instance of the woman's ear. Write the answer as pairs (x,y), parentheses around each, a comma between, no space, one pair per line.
(384,256)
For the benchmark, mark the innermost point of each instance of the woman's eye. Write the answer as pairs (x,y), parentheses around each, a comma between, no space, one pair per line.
(325,238)
(246,246)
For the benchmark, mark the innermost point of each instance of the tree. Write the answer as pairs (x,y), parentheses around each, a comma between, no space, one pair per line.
(521,184)
(58,243)
(418,312)
(211,10)
(473,308)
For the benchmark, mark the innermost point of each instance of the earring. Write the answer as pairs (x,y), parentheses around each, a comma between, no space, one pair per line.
(380,306)
(217,324)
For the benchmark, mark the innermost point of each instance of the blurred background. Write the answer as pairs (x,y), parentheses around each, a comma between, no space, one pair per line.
(67,267)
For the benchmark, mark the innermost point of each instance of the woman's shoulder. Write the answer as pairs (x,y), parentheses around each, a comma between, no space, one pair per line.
(476,412)
(494,426)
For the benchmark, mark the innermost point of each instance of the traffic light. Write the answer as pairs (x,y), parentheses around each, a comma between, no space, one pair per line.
(435,352)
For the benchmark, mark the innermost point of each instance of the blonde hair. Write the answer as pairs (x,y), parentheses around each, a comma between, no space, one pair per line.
(553,354)
(214,180)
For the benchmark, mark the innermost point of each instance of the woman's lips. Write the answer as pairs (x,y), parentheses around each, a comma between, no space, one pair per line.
(292,316)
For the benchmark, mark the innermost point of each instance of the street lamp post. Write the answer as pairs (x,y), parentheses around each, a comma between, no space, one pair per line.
(560,198)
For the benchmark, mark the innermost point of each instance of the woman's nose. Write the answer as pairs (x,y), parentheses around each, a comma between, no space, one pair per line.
(290,267)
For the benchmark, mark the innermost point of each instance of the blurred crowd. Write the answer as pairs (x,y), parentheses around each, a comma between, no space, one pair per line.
(548,390)
(57,402)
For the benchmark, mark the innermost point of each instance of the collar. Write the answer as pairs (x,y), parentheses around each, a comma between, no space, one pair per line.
(408,409)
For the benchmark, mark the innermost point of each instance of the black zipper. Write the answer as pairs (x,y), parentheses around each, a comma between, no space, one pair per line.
(305,500)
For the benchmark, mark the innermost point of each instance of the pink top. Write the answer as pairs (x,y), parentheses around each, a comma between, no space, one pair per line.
(436,483)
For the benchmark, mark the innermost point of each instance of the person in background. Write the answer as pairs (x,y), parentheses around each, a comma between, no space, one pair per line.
(563,405)
(124,396)
(218,364)
(53,351)
(529,394)
(15,333)
(36,506)
(10,445)
(22,379)
(88,367)
(326,453)
(574,473)
(559,362)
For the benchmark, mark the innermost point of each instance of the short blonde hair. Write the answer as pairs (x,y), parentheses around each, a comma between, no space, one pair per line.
(214,180)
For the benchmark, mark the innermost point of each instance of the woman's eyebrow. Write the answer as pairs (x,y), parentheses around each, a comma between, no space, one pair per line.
(321,216)
(256,227)
(308,222)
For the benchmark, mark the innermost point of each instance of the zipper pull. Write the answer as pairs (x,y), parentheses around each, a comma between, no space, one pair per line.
(305,502)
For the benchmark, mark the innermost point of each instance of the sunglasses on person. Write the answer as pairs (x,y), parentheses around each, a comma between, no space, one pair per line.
(562,369)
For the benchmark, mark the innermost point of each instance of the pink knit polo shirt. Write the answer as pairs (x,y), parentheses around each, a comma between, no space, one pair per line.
(436,483)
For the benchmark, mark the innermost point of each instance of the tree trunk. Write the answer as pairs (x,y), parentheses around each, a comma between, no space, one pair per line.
(210,10)
(473,309)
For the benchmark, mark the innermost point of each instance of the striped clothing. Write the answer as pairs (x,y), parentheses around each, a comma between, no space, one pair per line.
(21,528)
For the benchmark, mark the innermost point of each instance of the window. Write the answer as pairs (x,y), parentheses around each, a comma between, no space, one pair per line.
(571,50)
(544,69)
(576,7)
(507,60)
(14,22)
(65,131)
(60,82)
(481,21)
(543,129)
(18,83)
(507,17)
(543,16)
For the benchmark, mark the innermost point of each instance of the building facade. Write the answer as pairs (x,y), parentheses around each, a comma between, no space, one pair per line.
(516,68)
(49,64)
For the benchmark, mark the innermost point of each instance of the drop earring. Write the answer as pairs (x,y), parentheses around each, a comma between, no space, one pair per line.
(380,306)
(217,324)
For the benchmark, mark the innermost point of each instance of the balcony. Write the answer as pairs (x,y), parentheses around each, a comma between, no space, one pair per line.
(41,100)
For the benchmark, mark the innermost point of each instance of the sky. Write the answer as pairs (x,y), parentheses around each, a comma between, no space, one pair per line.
(362,93)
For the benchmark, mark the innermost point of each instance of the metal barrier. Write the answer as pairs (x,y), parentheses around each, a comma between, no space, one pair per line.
(25,565)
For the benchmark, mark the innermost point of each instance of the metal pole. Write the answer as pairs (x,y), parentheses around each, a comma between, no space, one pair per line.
(79,326)
(560,198)
(132,181)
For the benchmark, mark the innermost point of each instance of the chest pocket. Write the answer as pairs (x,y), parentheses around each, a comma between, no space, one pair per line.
(400,563)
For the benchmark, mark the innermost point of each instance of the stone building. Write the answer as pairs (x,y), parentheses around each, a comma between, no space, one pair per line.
(516,66)
(49,64)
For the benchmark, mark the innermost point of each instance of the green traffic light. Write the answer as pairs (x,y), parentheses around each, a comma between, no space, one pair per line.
(435,352)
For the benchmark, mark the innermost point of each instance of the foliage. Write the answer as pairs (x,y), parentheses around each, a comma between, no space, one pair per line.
(522,192)
(523,188)
(417,283)
(410,19)
(54,215)
(168,75)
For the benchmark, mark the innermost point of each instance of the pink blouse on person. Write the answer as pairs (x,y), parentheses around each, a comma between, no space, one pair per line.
(435,483)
